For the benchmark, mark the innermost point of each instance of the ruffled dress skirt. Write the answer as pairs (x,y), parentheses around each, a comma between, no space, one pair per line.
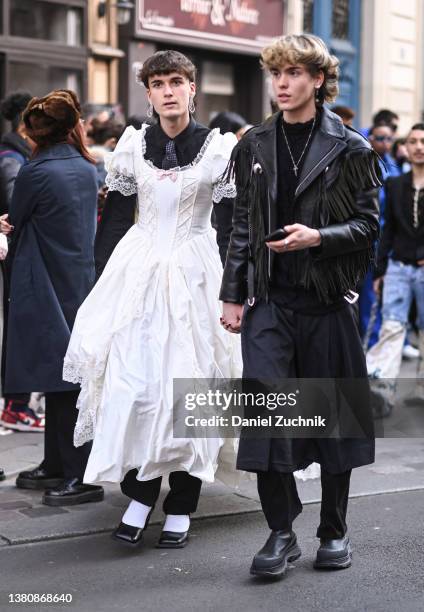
(150,319)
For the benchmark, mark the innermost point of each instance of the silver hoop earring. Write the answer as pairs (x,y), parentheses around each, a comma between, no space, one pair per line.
(149,111)
(191,106)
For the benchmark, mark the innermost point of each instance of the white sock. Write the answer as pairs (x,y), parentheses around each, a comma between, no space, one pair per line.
(136,514)
(177,523)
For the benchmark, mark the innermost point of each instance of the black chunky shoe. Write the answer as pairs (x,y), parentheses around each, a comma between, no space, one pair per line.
(72,492)
(334,554)
(280,548)
(38,478)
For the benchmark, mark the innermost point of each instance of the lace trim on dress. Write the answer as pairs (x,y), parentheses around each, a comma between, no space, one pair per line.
(223,190)
(88,402)
(195,161)
(77,372)
(125,184)
(88,406)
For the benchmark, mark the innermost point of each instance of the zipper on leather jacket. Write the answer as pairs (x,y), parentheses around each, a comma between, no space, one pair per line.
(313,169)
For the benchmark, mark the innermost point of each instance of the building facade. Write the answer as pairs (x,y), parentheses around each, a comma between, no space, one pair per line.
(393,45)
(77,44)
(223,39)
(380,47)
(104,54)
(43,45)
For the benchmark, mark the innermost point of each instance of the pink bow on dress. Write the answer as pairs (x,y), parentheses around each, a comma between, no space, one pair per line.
(163,174)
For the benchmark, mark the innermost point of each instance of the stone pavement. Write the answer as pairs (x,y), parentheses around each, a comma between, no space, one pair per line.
(212,573)
(399,467)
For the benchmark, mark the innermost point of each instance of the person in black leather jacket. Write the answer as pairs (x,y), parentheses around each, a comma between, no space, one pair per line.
(304,171)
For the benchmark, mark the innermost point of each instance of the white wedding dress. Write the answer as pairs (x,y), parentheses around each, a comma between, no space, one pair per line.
(153,316)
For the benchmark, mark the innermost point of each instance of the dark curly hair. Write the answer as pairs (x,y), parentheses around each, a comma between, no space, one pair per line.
(13,106)
(165,62)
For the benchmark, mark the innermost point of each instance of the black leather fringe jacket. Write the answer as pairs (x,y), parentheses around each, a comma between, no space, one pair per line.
(337,194)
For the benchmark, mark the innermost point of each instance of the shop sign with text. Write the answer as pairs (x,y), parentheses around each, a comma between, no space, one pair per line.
(248,23)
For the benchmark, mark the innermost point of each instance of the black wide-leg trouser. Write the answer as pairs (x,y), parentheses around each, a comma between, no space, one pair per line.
(281,504)
(182,498)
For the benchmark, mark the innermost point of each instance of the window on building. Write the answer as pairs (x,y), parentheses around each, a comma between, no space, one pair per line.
(217,86)
(42,78)
(99,81)
(308,15)
(340,24)
(46,21)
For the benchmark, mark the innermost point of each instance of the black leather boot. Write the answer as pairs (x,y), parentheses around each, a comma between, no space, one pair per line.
(334,554)
(280,548)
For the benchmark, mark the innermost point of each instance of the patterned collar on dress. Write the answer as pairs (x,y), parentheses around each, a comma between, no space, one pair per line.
(180,140)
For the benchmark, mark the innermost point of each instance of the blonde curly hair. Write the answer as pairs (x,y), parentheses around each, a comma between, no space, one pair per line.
(310,51)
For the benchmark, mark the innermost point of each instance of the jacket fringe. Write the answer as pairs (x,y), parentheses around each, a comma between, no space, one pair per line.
(251,190)
(360,171)
(257,225)
(335,276)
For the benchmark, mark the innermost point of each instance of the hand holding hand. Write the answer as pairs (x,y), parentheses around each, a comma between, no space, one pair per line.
(231,317)
(5,227)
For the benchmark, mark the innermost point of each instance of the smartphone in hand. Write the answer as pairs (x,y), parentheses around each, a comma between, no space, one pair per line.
(278,234)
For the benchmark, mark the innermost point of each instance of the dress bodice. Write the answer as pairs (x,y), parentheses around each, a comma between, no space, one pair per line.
(173,205)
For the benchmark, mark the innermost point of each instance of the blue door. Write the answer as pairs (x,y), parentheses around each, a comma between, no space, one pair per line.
(338,23)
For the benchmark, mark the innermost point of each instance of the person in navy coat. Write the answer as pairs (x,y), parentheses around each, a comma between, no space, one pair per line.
(53,213)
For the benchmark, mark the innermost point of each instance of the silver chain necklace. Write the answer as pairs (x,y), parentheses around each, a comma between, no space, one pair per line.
(296,164)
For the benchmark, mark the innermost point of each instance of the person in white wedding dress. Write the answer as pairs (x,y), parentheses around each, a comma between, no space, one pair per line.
(153,315)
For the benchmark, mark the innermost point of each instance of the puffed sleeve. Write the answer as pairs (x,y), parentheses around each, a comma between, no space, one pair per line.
(223,188)
(120,164)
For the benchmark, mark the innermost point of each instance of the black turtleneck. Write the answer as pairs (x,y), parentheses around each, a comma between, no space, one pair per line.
(285,288)
(297,136)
